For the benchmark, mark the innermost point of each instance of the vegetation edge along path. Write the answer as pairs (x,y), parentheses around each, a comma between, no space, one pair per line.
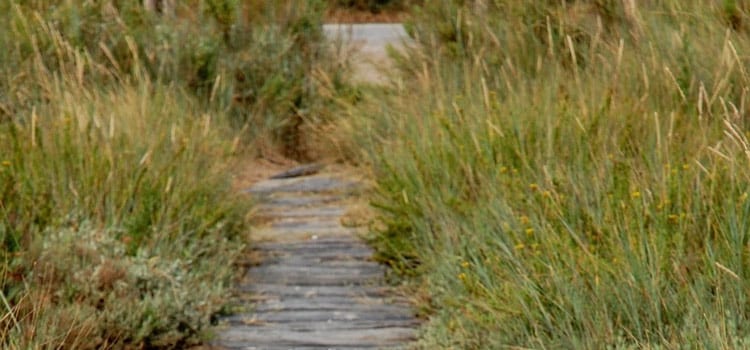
(316,285)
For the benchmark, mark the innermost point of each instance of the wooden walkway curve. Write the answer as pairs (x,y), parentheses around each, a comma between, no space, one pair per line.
(317,286)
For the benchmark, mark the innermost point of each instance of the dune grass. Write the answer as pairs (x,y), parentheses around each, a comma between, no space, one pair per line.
(569,174)
(562,174)
(118,223)
(118,129)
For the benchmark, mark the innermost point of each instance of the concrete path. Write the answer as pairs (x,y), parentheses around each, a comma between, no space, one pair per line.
(370,42)
(317,286)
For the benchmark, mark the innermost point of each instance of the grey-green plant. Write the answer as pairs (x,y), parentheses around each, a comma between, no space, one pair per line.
(119,128)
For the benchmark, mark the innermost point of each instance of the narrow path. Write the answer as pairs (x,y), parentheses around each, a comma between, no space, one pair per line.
(317,286)
(370,42)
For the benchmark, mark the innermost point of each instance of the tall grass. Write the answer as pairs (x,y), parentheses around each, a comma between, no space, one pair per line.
(118,225)
(570,174)
(210,46)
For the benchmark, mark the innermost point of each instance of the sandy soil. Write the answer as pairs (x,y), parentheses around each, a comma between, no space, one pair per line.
(370,42)
(357,16)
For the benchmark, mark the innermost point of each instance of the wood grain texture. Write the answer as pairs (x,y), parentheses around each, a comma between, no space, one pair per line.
(317,286)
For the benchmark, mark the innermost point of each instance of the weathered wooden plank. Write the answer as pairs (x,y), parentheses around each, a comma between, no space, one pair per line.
(302,170)
(302,233)
(342,252)
(290,290)
(363,270)
(351,254)
(302,212)
(331,240)
(300,261)
(323,243)
(321,280)
(312,245)
(311,184)
(321,325)
(361,337)
(316,316)
(317,280)
(327,303)
(291,201)
(311,276)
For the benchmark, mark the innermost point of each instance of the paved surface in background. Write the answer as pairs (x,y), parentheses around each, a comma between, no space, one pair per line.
(370,41)
(316,286)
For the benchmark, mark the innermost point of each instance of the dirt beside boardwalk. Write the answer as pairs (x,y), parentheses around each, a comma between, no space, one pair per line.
(358,16)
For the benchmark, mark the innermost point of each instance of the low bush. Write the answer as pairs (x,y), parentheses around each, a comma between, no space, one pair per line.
(118,126)
(118,225)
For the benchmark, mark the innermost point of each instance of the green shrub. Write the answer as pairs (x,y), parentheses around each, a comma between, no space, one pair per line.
(117,221)
(118,225)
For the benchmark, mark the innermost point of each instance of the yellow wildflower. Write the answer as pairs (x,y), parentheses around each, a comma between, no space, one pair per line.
(6,163)
(529,231)
(520,246)
(534,187)
(465,264)
(524,220)
(636,194)
(462,276)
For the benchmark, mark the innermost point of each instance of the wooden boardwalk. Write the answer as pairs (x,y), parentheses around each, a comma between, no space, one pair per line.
(316,286)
